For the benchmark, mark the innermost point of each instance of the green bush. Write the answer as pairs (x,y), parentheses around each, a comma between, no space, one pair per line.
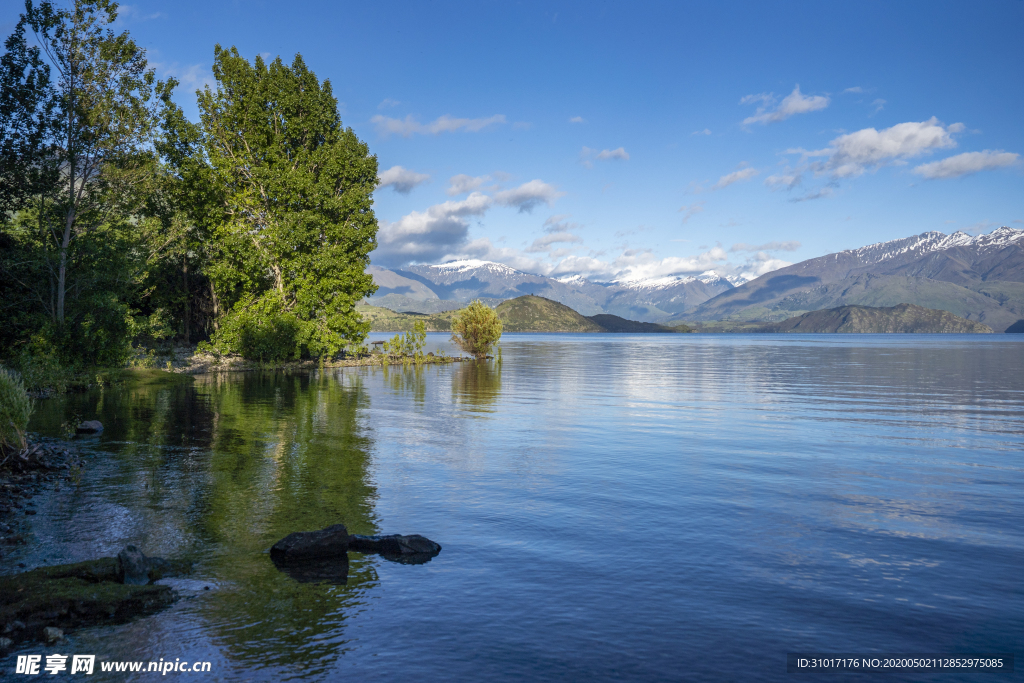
(15,409)
(409,344)
(41,368)
(476,329)
(259,329)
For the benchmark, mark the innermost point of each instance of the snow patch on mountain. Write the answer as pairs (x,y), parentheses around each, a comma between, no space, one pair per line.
(928,242)
(466,265)
(708,277)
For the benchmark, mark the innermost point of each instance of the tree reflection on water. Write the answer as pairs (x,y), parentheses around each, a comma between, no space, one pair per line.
(476,385)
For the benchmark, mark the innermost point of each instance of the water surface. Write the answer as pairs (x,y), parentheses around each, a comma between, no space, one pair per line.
(612,507)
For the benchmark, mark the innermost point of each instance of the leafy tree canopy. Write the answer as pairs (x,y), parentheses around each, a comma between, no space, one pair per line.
(298,221)
(476,329)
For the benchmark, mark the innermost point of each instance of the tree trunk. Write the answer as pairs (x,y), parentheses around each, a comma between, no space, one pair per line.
(188,299)
(62,271)
(216,307)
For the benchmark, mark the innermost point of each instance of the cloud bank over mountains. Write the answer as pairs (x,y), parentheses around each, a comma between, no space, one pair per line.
(442,233)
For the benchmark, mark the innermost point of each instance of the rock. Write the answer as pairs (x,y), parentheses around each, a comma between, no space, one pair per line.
(72,596)
(6,643)
(311,545)
(90,427)
(395,544)
(51,634)
(134,569)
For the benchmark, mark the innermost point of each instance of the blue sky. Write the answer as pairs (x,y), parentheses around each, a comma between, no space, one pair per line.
(636,140)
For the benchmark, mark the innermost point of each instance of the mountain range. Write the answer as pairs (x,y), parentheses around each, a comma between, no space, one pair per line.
(448,286)
(980,278)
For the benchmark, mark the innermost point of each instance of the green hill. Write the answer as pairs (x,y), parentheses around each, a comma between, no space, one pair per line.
(386,320)
(613,323)
(525,314)
(536,314)
(865,319)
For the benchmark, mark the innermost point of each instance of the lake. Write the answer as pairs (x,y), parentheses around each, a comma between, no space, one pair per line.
(611,507)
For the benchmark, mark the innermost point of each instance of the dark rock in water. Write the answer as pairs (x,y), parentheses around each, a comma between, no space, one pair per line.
(412,549)
(74,595)
(312,545)
(133,567)
(90,427)
(332,570)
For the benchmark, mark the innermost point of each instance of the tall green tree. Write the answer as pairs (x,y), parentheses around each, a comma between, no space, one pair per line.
(297,188)
(27,105)
(90,140)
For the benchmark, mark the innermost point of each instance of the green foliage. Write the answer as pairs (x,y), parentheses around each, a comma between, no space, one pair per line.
(536,314)
(408,345)
(475,329)
(15,409)
(41,367)
(260,329)
(297,203)
(123,225)
(73,257)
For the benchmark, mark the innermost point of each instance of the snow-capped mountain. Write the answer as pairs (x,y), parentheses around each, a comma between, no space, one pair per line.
(979,278)
(708,277)
(449,285)
(927,242)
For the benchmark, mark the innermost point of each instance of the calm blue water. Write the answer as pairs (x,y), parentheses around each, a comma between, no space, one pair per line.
(612,507)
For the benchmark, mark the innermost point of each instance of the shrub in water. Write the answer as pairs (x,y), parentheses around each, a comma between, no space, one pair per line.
(15,409)
(476,329)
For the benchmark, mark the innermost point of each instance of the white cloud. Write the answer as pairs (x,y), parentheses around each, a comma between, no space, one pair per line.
(759,264)
(401,179)
(817,194)
(850,155)
(544,242)
(587,155)
(765,98)
(706,131)
(387,103)
(132,12)
(967,163)
(619,153)
(786,180)
(428,235)
(444,124)
(691,210)
(855,89)
(528,195)
(462,183)
(735,177)
(793,103)
(791,245)
(577,119)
